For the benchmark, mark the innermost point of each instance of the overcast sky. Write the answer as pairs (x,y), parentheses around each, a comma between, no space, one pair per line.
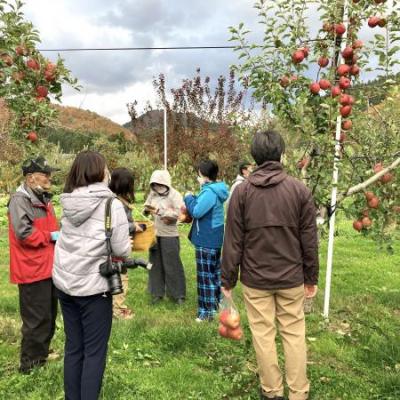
(112,79)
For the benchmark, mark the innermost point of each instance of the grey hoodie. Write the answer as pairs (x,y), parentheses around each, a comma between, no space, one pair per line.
(168,205)
(81,247)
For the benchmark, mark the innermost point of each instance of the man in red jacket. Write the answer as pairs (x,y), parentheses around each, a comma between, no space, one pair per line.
(271,235)
(33,231)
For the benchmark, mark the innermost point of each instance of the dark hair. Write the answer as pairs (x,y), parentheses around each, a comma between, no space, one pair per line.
(209,169)
(267,146)
(243,165)
(87,168)
(123,183)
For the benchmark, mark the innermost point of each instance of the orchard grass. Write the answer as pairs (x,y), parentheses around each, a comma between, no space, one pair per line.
(164,354)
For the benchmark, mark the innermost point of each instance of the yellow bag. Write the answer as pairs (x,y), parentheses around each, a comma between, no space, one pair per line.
(142,241)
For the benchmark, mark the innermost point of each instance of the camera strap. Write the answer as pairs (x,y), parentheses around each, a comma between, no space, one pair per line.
(107,225)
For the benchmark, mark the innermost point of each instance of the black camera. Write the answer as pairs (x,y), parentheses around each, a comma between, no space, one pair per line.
(112,270)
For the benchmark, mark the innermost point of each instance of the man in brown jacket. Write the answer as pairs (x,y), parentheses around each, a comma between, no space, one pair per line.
(271,236)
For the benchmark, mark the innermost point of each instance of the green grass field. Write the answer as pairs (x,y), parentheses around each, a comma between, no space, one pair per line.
(164,354)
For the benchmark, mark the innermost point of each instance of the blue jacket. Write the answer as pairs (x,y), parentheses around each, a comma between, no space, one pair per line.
(207,210)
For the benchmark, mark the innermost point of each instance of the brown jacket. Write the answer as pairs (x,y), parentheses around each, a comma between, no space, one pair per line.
(270,232)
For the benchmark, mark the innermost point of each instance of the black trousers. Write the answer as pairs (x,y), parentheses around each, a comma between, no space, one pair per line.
(87,326)
(38,309)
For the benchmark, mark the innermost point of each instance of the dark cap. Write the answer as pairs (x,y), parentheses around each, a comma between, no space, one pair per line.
(38,164)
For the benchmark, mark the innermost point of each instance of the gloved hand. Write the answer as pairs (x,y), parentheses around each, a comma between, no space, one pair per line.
(54,235)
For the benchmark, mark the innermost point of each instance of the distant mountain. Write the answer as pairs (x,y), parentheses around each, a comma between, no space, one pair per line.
(80,121)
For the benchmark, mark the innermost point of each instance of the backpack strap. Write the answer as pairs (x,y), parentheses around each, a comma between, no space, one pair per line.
(107,224)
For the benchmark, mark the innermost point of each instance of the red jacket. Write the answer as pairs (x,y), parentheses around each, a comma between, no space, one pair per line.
(31,248)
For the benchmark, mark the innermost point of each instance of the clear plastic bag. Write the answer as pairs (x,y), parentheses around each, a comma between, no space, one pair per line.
(229,320)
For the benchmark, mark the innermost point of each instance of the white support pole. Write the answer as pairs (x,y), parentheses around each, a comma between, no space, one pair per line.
(165,139)
(335,178)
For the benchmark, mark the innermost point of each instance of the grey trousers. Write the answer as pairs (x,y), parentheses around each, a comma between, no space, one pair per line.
(167,275)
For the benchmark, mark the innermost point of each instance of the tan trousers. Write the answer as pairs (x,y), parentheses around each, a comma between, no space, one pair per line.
(286,307)
(119,299)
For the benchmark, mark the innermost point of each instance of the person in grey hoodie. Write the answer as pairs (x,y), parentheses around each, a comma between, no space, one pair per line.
(245,169)
(84,296)
(167,275)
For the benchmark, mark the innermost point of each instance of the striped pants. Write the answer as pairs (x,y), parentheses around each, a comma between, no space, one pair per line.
(208,281)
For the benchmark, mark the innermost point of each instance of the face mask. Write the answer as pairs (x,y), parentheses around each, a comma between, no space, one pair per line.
(160,189)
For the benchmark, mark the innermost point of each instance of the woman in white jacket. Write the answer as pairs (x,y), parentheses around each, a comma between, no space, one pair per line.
(85,300)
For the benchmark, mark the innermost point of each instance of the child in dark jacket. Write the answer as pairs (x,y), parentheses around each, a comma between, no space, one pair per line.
(122,184)
(207,234)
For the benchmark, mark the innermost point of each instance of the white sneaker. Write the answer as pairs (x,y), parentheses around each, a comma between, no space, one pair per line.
(199,320)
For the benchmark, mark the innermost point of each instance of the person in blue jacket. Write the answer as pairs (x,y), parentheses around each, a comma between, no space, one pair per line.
(207,235)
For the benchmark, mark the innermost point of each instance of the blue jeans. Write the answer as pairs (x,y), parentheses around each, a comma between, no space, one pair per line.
(87,326)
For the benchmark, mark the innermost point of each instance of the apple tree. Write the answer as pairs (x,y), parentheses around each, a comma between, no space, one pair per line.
(311,70)
(27,78)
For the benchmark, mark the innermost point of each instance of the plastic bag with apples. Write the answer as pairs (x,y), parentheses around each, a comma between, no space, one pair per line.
(229,320)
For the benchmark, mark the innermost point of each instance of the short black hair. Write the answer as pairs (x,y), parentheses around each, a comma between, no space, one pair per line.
(267,146)
(243,165)
(209,169)
(123,183)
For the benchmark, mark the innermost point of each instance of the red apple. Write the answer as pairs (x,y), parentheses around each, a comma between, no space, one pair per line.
(344,83)
(373,21)
(340,29)
(345,111)
(366,222)
(344,99)
(223,316)
(298,56)
(33,64)
(323,62)
(336,91)
(369,195)
(32,136)
(382,22)
(373,203)
(42,91)
(324,84)
(7,59)
(347,125)
(343,69)
(357,225)
(223,330)
(355,70)
(284,81)
(315,88)
(235,334)
(388,177)
(358,44)
(233,320)
(348,52)
(306,51)
(378,168)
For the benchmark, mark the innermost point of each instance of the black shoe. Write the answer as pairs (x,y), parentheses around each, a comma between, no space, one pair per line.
(180,301)
(156,300)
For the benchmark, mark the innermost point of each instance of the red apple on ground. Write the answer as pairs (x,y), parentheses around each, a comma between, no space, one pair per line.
(32,136)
